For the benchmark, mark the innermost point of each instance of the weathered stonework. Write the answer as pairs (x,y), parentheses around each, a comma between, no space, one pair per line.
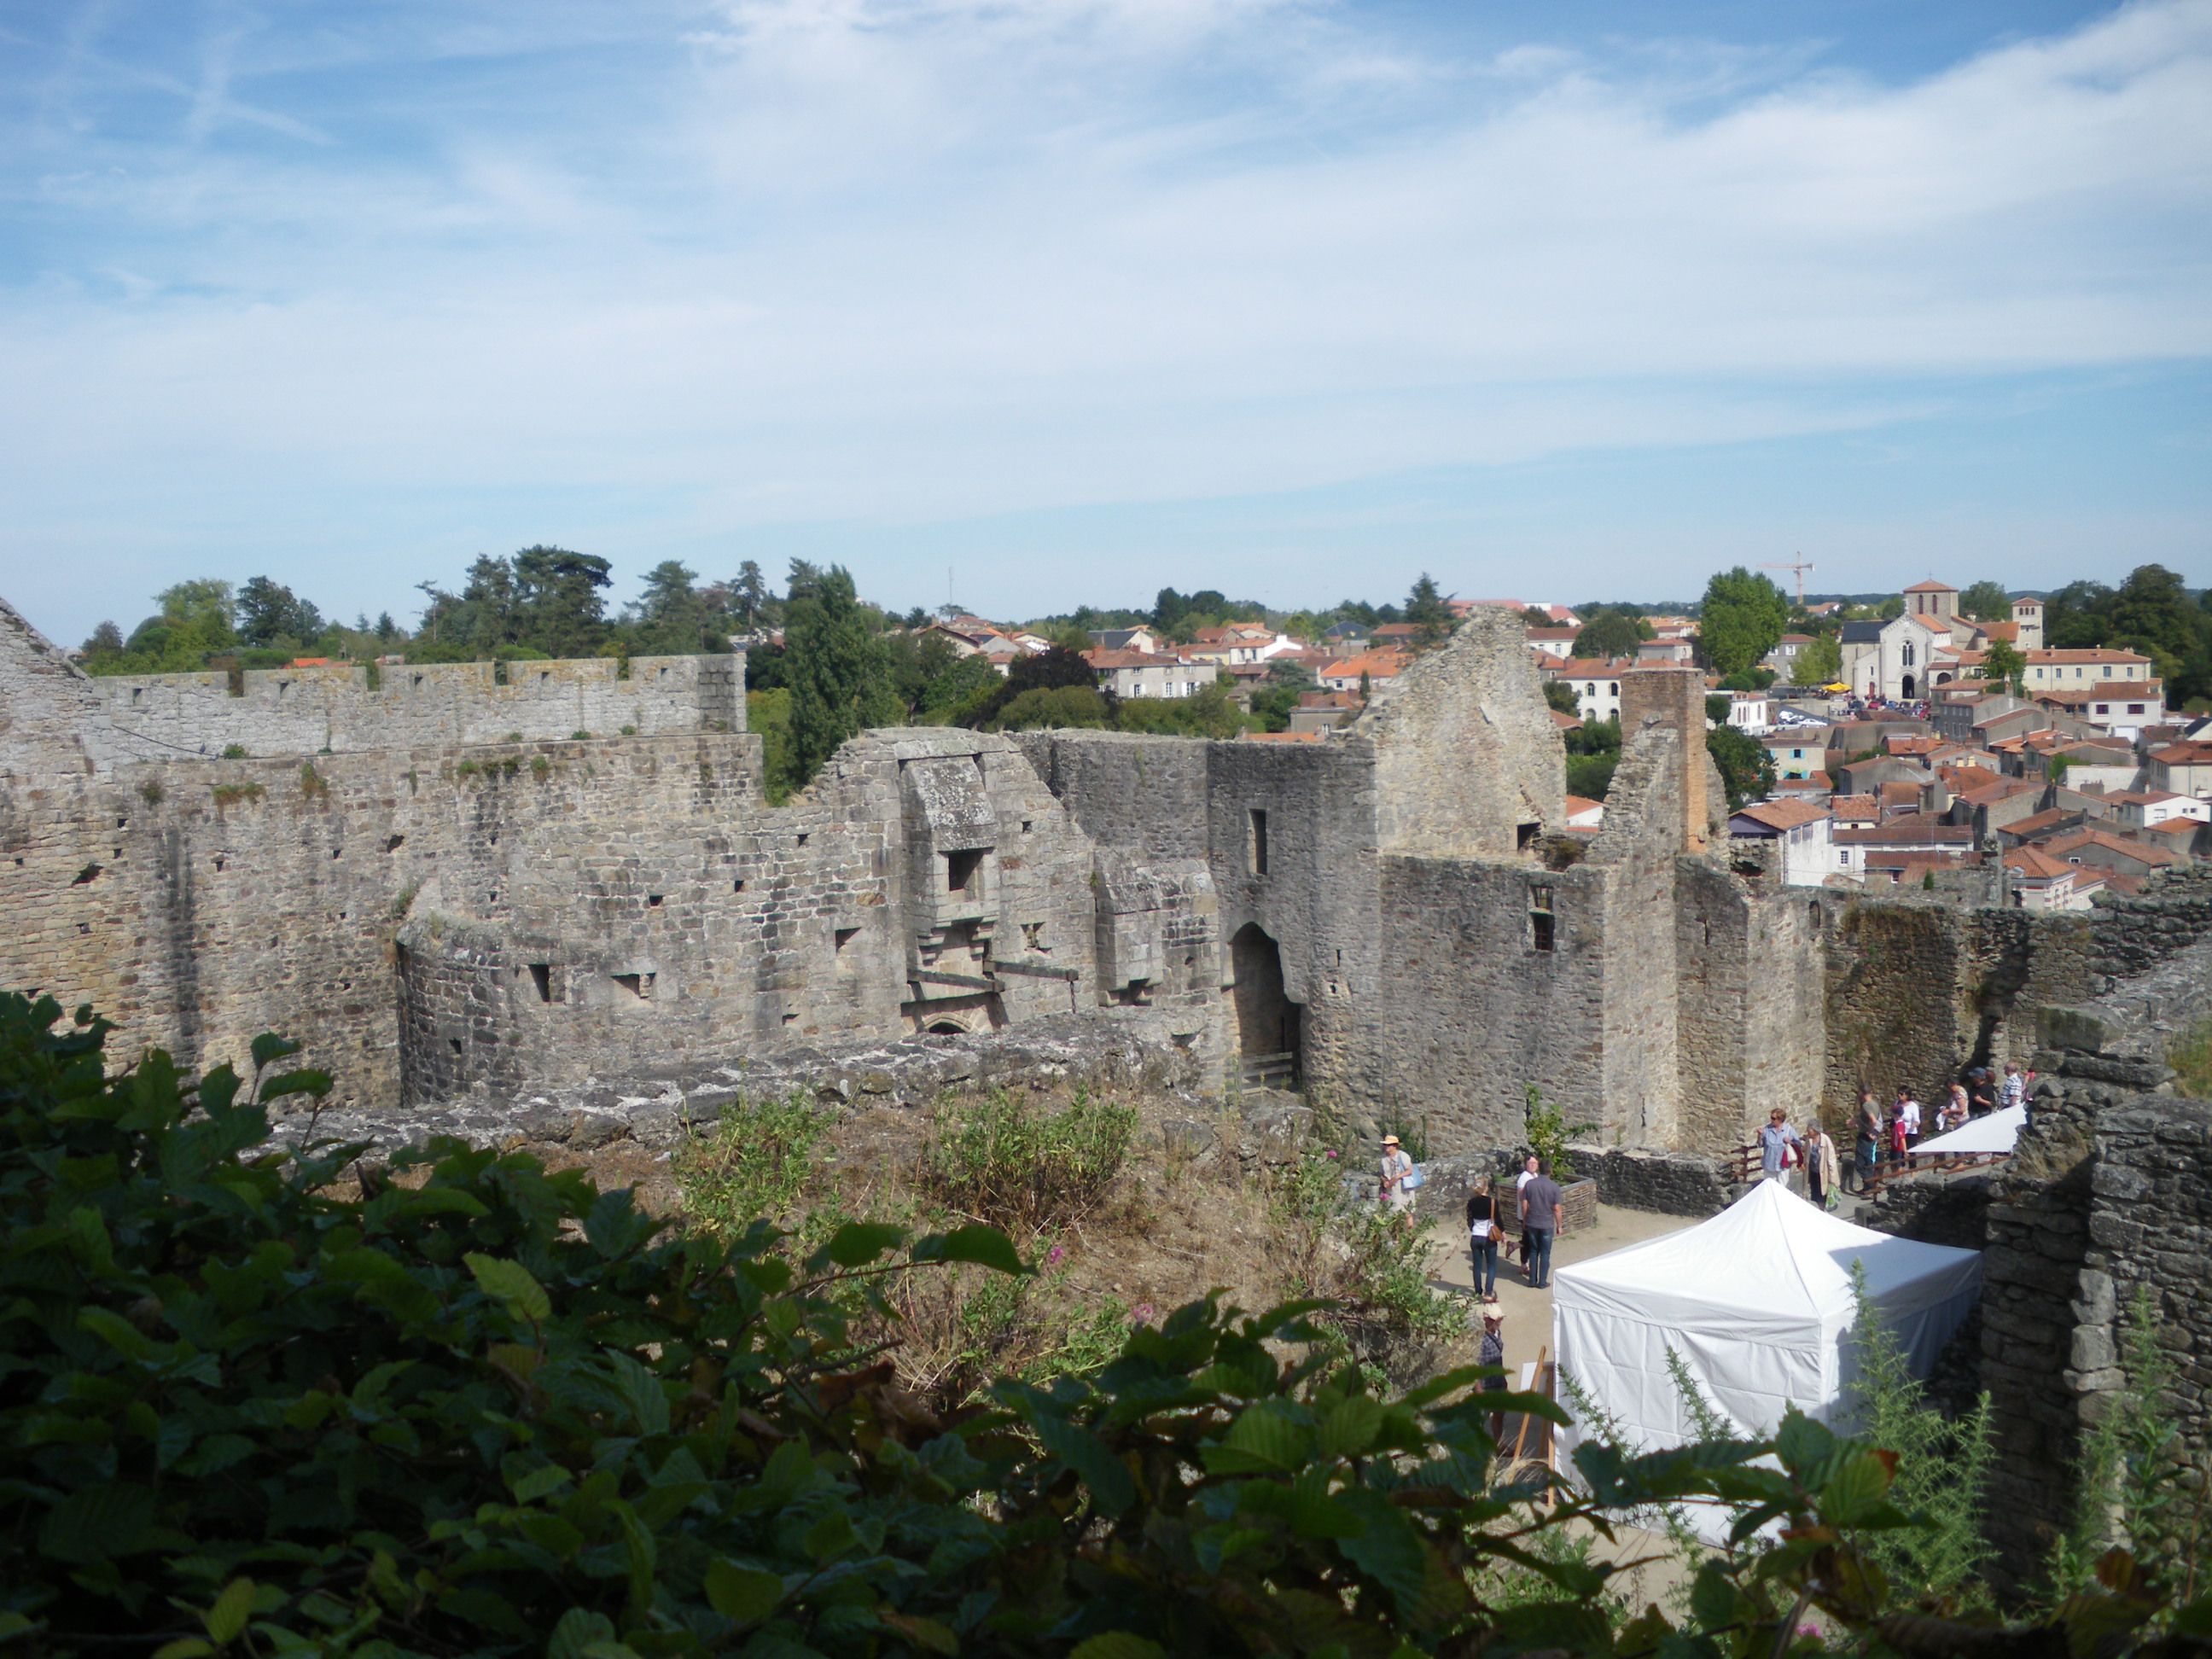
(441,912)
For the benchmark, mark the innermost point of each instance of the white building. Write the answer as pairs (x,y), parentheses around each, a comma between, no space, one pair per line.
(1597,685)
(2075,671)
(1799,829)
(1142,674)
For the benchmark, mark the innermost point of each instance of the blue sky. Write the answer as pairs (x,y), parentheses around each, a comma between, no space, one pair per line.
(1079,298)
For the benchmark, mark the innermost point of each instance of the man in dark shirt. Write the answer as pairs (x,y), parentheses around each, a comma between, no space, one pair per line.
(1543,1210)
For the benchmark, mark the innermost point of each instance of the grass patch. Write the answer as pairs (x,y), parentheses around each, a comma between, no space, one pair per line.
(231,794)
(312,783)
(760,1159)
(1001,1158)
(2191,1057)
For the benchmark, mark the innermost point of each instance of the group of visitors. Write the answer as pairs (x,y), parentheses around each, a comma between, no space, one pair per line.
(1540,1208)
(1891,1134)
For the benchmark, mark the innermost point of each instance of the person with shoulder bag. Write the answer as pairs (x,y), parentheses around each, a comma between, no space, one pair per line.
(1484,1235)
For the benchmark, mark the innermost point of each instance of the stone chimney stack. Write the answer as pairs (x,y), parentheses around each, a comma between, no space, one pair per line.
(1673,695)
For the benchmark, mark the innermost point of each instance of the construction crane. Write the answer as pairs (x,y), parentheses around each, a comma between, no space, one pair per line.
(1801,566)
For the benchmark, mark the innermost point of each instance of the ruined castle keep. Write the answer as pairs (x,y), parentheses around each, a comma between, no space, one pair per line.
(447,880)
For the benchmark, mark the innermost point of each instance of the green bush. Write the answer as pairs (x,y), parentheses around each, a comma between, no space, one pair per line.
(1338,1245)
(1001,1158)
(756,1162)
(475,1408)
(1942,1467)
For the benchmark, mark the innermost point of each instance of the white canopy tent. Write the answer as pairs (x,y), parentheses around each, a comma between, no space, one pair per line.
(1757,1302)
(1996,1132)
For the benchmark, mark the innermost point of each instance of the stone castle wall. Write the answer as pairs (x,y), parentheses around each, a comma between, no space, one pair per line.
(1916,993)
(347,708)
(466,913)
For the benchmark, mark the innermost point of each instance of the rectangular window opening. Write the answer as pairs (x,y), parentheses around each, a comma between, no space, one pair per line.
(1257,850)
(1524,836)
(652,901)
(1542,923)
(638,985)
(845,936)
(962,870)
(541,976)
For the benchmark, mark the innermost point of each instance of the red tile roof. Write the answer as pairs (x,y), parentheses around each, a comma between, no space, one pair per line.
(1931,586)
(1781,814)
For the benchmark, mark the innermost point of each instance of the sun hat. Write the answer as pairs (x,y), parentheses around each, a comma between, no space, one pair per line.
(1389,1140)
(1492,1309)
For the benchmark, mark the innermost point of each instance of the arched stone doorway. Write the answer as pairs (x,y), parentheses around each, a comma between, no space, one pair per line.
(1905,685)
(1267,1022)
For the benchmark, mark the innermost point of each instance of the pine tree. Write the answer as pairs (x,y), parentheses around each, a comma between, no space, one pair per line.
(840,673)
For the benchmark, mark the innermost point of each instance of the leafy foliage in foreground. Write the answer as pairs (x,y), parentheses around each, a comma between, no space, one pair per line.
(479,1409)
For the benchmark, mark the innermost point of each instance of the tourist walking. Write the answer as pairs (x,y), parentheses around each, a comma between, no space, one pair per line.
(1484,1234)
(1776,1142)
(1909,1118)
(1527,1174)
(1981,1096)
(1823,1175)
(1543,1211)
(1897,1124)
(1869,1135)
(1397,1196)
(1954,1115)
(2012,1091)
(1493,1351)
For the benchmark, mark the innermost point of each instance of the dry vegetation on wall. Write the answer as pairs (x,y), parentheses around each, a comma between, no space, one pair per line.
(2190,1056)
(1124,1219)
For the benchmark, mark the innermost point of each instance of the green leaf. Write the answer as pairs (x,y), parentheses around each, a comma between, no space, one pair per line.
(542,1482)
(118,1333)
(1094,1464)
(1118,1644)
(1264,1439)
(228,1617)
(269,1049)
(1351,1426)
(15,1623)
(1854,1495)
(511,1283)
(381,1280)
(744,1596)
(577,1630)
(96,1522)
(986,1247)
(1386,1547)
(641,1388)
(859,1243)
(638,1545)
(185,1646)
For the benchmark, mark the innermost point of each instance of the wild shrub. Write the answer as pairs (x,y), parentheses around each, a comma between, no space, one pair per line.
(2190,1056)
(478,1409)
(2141,1487)
(761,1161)
(1943,1468)
(1336,1244)
(1003,1158)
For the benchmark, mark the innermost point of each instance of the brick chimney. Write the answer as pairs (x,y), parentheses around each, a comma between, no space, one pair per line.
(1673,695)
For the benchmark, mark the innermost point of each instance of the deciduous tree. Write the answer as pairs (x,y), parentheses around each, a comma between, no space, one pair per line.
(838,669)
(1742,619)
(1986,601)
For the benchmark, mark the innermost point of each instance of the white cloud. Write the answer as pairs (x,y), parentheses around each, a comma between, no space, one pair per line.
(909,258)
